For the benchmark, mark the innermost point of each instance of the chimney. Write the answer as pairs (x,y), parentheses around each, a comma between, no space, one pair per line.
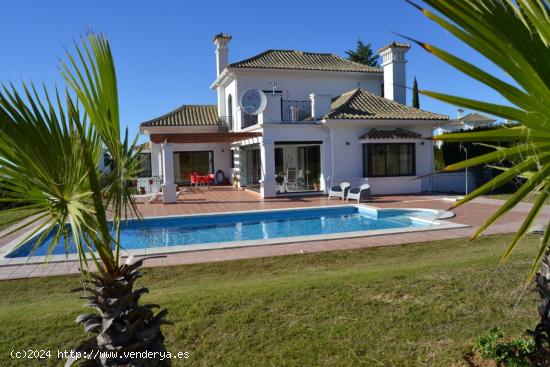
(221,40)
(395,76)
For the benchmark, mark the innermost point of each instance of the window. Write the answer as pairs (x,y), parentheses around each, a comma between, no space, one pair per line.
(389,160)
(230,112)
(145,165)
(188,162)
(232,158)
(279,158)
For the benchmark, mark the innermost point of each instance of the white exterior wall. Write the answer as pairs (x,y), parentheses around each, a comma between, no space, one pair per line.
(453,182)
(303,133)
(298,85)
(395,74)
(348,160)
(342,154)
(231,89)
(221,151)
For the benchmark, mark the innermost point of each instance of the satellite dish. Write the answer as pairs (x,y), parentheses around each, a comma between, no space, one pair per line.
(253,101)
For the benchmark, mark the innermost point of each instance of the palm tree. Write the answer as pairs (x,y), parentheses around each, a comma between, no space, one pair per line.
(515,36)
(50,146)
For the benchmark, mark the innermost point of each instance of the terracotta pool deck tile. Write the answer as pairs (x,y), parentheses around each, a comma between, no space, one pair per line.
(6,271)
(226,199)
(24,271)
(68,267)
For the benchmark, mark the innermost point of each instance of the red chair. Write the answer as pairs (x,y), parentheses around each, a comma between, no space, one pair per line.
(202,179)
(193,178)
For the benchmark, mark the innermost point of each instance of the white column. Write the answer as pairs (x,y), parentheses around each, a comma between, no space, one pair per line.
(155,160)
(267,183)
(326,168)
(169,189)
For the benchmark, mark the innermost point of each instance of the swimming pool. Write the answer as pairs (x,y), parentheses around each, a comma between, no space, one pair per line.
(189,232)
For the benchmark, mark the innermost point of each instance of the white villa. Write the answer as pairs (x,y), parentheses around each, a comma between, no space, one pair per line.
(327,120)
(464,122)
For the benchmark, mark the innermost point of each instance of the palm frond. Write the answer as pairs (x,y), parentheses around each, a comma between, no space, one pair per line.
(42,167)
(93,78)
(515,36)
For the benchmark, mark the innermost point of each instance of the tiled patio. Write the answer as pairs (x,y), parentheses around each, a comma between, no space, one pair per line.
(226,199)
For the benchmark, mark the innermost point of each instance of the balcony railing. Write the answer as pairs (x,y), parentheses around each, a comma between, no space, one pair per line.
(296,110)
(225,124)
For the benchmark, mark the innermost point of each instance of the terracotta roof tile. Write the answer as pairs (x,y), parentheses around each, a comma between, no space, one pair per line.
(299,60)
(390,134)
(362,105)
(394,44)
(187,115)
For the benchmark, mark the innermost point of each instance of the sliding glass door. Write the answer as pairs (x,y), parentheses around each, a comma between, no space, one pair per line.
(251,167)
(297,166)
(188,162)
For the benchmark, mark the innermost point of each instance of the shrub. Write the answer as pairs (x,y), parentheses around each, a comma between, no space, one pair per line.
(513,353)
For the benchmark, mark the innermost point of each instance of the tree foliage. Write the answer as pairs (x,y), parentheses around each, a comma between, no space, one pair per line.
(363,54)
(515,36)
(50,148)
(415,99)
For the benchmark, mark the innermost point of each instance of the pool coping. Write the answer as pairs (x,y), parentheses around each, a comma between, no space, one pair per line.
(433,225)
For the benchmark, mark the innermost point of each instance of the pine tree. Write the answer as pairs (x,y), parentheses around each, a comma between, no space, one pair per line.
(363,54)
(415,100)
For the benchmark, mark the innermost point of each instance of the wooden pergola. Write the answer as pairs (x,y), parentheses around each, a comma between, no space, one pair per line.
(229,137)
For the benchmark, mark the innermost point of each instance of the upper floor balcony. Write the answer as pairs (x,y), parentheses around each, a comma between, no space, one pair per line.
(280,110)
(294,111)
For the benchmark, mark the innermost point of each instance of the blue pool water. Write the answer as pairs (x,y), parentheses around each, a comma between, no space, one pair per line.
(237,227)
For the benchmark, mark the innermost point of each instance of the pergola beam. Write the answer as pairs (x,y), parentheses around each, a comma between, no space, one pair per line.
(204,137)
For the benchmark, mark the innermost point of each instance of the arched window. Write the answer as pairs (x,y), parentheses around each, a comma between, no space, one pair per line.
(230,112)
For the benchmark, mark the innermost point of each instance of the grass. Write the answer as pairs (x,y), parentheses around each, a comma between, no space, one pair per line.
(409,305)
(9,216)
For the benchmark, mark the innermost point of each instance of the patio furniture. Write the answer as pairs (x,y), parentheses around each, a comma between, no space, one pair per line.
(339,191)
(143,198)
(158,195)
(359,193)
(202,180)
(291,182)
(196,179)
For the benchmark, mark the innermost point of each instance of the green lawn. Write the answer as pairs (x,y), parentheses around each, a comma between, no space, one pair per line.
(8,216)
(409,305)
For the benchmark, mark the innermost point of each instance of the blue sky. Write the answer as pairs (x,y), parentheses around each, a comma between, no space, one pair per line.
(165,58)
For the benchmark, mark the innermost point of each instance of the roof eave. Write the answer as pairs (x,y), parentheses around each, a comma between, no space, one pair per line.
(244,68)
(223,78)
(382,121)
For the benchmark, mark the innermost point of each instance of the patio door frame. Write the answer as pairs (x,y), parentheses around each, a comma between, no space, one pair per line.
(210,162)
(301,144)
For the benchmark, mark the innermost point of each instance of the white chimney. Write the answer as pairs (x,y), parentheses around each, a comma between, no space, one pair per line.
(320,105)
(395,76)
(221,40)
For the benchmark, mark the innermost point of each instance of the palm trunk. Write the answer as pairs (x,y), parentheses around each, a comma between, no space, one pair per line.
(542,330)
(120,323)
